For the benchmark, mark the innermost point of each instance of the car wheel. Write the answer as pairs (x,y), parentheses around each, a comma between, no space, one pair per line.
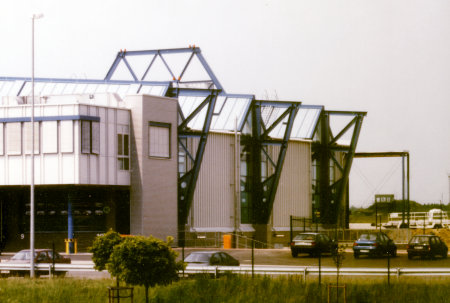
(294,253)
(444,255)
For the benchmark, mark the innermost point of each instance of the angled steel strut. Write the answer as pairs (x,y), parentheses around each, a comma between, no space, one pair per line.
(261,189)
(187,182)
(332,191)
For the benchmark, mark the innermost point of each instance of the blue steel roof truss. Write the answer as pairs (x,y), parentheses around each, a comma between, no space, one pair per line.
(176,79)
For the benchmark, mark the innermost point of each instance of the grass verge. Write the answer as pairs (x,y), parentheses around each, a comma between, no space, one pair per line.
(227,289)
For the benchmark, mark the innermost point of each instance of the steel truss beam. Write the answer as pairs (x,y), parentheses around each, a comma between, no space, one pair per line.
(263,191)
(332,195)
(212,82)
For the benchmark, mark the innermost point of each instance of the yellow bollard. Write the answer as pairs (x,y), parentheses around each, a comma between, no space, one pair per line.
(75,245)
(226,241)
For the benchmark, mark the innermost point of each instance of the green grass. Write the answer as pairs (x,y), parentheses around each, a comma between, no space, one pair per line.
(228,289)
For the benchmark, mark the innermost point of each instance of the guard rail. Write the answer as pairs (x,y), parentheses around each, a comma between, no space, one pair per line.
(257,269)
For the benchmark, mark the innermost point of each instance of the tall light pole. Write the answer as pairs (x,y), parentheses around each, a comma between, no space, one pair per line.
(34,17)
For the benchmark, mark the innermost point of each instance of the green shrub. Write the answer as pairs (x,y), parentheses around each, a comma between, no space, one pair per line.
(102,248)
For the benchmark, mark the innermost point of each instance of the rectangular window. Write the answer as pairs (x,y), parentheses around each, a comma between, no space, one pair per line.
(66,128)
(86,137)
(159,140)
(14,138)
(50,137)
(27,137)
(123,151)
(2,150)
(95,137)
(90,137)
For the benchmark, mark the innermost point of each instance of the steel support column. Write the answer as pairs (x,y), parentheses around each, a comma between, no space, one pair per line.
(187,182)
(262,192)
(405,179)
(333,193)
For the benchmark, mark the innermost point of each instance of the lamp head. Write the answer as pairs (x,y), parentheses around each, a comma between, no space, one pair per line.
(37,16)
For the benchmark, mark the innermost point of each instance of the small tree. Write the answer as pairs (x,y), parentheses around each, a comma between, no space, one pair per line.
(146,261)
(102,248)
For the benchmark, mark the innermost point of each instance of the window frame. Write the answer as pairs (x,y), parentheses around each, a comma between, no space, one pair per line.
(123,151)
(162,125)
(93,146)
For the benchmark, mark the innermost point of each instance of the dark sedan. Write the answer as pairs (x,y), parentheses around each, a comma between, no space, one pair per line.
(374,244)
(312,244)
(426,246)
(213,258)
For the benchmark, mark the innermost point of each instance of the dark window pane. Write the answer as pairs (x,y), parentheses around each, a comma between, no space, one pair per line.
(119,145)
(125,145)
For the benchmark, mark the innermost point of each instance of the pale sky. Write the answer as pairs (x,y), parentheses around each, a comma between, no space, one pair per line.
(390,58)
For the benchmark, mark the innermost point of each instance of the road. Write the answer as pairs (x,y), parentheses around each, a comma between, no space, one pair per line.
(280,257)
(283,257)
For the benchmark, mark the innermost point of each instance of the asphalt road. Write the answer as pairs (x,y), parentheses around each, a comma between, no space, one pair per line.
(280,257)
(283,257)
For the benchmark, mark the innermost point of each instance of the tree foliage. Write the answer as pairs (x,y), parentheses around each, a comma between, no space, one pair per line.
(102,248)
(146,261)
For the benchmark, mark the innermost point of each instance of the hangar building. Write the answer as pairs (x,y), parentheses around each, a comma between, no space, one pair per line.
(159,147)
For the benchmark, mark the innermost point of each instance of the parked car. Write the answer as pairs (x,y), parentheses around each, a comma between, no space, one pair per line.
(312,244)
(207,258)
(40,256)
(374,244)
(426,246)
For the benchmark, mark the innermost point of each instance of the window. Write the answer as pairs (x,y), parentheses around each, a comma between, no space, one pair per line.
(50,137)
(123,154)
(14,138)
(1,140)
(159,140)
(90,137)
(66,136)
(27,134)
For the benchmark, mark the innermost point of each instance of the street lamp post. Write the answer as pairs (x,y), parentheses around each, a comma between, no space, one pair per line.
(34,17)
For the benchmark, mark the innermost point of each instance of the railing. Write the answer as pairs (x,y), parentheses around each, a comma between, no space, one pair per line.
(5,268)
(314,271)
(257,269)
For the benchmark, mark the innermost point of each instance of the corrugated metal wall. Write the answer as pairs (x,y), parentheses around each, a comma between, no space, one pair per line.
(294,189)
(213,205)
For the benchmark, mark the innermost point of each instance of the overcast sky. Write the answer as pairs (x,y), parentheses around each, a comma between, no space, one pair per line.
(390,58)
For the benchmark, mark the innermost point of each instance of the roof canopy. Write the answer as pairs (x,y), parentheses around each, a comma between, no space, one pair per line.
(181,73)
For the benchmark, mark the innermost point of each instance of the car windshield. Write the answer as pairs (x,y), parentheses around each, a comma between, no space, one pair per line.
(419,240)
(195,257)
(304,237)
(368,237)
(22,255)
